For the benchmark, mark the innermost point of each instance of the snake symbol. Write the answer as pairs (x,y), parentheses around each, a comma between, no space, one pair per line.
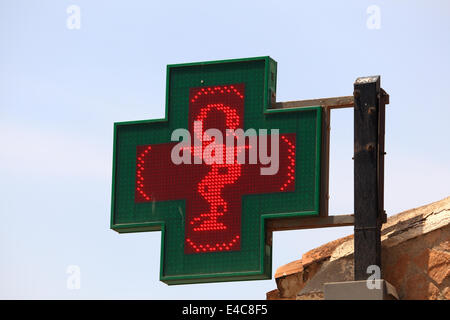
(211,188)
(220,175)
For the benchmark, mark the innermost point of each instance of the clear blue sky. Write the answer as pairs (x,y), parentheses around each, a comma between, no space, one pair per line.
(61,90)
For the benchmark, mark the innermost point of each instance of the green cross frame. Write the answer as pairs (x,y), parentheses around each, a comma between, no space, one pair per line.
(253,259)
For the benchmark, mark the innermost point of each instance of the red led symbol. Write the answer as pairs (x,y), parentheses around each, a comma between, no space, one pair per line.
(139,173)
(213,192)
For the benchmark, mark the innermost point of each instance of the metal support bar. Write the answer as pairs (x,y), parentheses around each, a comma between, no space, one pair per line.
(368,173)
(331,103)
(307,223)
(310,222)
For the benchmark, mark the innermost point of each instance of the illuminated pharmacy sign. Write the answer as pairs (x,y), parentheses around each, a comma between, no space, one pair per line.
(215,170)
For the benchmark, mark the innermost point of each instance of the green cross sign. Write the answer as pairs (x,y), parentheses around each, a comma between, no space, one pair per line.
(213,213)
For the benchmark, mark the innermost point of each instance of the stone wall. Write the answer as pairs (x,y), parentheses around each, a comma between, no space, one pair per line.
(415,258)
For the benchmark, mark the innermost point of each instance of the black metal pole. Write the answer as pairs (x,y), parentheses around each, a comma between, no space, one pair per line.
(368,173)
